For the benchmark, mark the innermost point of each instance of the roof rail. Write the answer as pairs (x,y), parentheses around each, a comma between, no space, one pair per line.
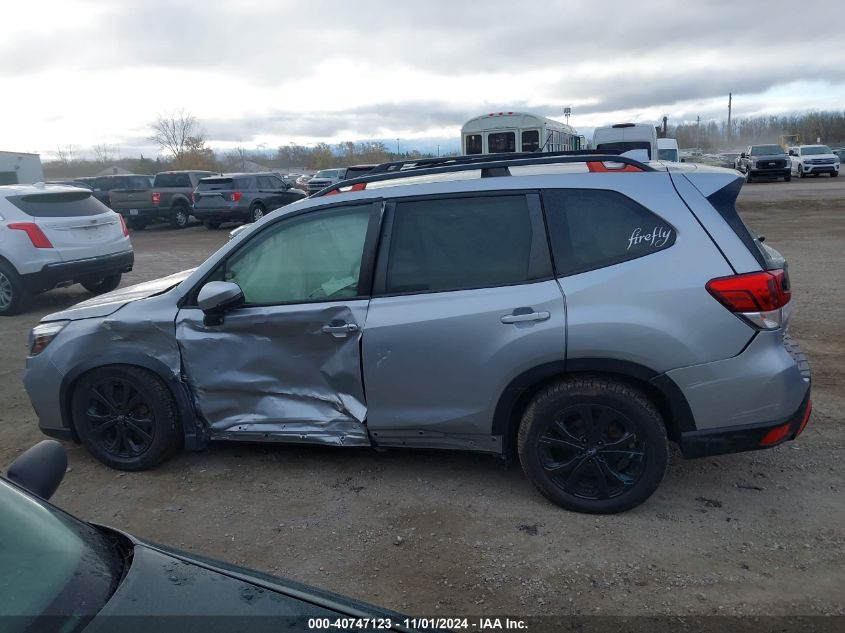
(491,165)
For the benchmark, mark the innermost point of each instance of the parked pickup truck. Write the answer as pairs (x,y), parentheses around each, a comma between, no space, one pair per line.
(764,161)
(169,198)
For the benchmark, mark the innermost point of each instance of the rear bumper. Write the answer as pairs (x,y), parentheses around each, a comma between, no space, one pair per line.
(92,268)
(750,437)
(143,212)
(220,214)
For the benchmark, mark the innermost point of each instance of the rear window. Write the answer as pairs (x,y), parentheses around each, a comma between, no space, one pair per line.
(626,146)
(530,140)
(122,182)
(173,180)
(473,144)
(594,228)
(223,184)
(668,154)
(59,205)
(500,142)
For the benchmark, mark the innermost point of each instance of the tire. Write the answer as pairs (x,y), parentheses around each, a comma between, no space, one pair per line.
(572,445)
(138,224)
(126,417)
(256,212)
(834,174)
(748,177)
(787,178)
(13,295)
(179,216)
(212,225)
(104,285)
(801,172)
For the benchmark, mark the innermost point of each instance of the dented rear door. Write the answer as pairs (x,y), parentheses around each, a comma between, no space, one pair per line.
(287,365)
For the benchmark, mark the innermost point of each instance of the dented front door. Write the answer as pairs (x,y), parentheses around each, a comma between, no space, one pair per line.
(287,365)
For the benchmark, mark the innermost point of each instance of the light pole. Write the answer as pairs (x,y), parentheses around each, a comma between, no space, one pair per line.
(397,148)
(438,151)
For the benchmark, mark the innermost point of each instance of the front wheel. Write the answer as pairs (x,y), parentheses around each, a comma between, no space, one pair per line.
(256,213)
(787,178)
(102,285)
(593,445)
(834,174)
(126,417)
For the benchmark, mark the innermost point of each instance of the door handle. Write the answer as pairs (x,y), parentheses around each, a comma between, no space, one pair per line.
(345,328)
(523,318)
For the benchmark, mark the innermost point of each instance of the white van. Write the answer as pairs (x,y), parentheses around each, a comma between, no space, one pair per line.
(627,136)
(667,149)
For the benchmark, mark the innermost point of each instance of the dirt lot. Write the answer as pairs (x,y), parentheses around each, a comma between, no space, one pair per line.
(447,534)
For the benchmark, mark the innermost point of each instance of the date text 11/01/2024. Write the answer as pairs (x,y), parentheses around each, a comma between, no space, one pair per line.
(423,624)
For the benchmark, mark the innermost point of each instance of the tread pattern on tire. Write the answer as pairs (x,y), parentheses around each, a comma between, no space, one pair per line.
(600,386)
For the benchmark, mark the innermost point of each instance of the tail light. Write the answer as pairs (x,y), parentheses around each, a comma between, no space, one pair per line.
(235,196)
(36,235)
(760,297)
(156,197)
(123,226)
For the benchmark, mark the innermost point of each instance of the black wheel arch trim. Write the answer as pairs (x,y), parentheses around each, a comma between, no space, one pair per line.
(193,431)
(671,401)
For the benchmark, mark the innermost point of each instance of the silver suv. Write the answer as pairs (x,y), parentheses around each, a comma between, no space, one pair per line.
(574,310)
(54,235)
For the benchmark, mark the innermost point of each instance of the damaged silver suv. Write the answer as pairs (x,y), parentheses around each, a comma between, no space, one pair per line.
(575,310)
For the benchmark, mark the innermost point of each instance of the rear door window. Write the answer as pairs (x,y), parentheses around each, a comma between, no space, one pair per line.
(594,228)
(67,204)
(463,243)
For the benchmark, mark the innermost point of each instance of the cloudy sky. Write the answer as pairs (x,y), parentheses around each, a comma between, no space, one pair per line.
(265,73)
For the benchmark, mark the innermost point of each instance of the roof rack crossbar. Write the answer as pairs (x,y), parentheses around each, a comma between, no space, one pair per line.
(486,162)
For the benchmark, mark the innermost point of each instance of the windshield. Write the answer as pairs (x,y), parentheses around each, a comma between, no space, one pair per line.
(626,146)
(51,565)
(766,150)
(667,154)
(328,173)
(813,150)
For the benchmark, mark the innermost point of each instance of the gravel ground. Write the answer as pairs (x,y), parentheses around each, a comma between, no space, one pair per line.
(456,534)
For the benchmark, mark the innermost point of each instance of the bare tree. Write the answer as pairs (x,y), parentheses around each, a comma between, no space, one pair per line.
(103,152)
(66,154)
(178,133)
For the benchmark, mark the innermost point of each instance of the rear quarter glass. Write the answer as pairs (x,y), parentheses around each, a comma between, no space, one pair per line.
(66,204)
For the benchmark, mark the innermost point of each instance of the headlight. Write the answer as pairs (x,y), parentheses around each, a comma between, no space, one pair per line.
(43,334)
(753,162)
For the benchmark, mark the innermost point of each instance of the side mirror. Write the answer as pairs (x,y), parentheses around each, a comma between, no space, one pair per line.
(743,155)
(40,469)
(683,160)
(791,153)
(216,297)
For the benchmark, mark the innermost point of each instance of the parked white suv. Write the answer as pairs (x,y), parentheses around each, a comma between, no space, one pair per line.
(54,236)
(815,160)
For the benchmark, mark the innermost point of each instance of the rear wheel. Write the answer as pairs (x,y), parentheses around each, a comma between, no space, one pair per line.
(102,285)
(801,173)
(593,445)
(257,212)
(179,217)
(211,224)
(138,224)
(126,417)
(13,295)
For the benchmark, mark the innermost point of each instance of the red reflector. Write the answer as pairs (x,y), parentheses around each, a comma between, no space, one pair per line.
(360,186)
(123,226)
(36,235)
(753,292)
(598,166)
(156,198)
(805,419)
(236,195)
(776,435)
